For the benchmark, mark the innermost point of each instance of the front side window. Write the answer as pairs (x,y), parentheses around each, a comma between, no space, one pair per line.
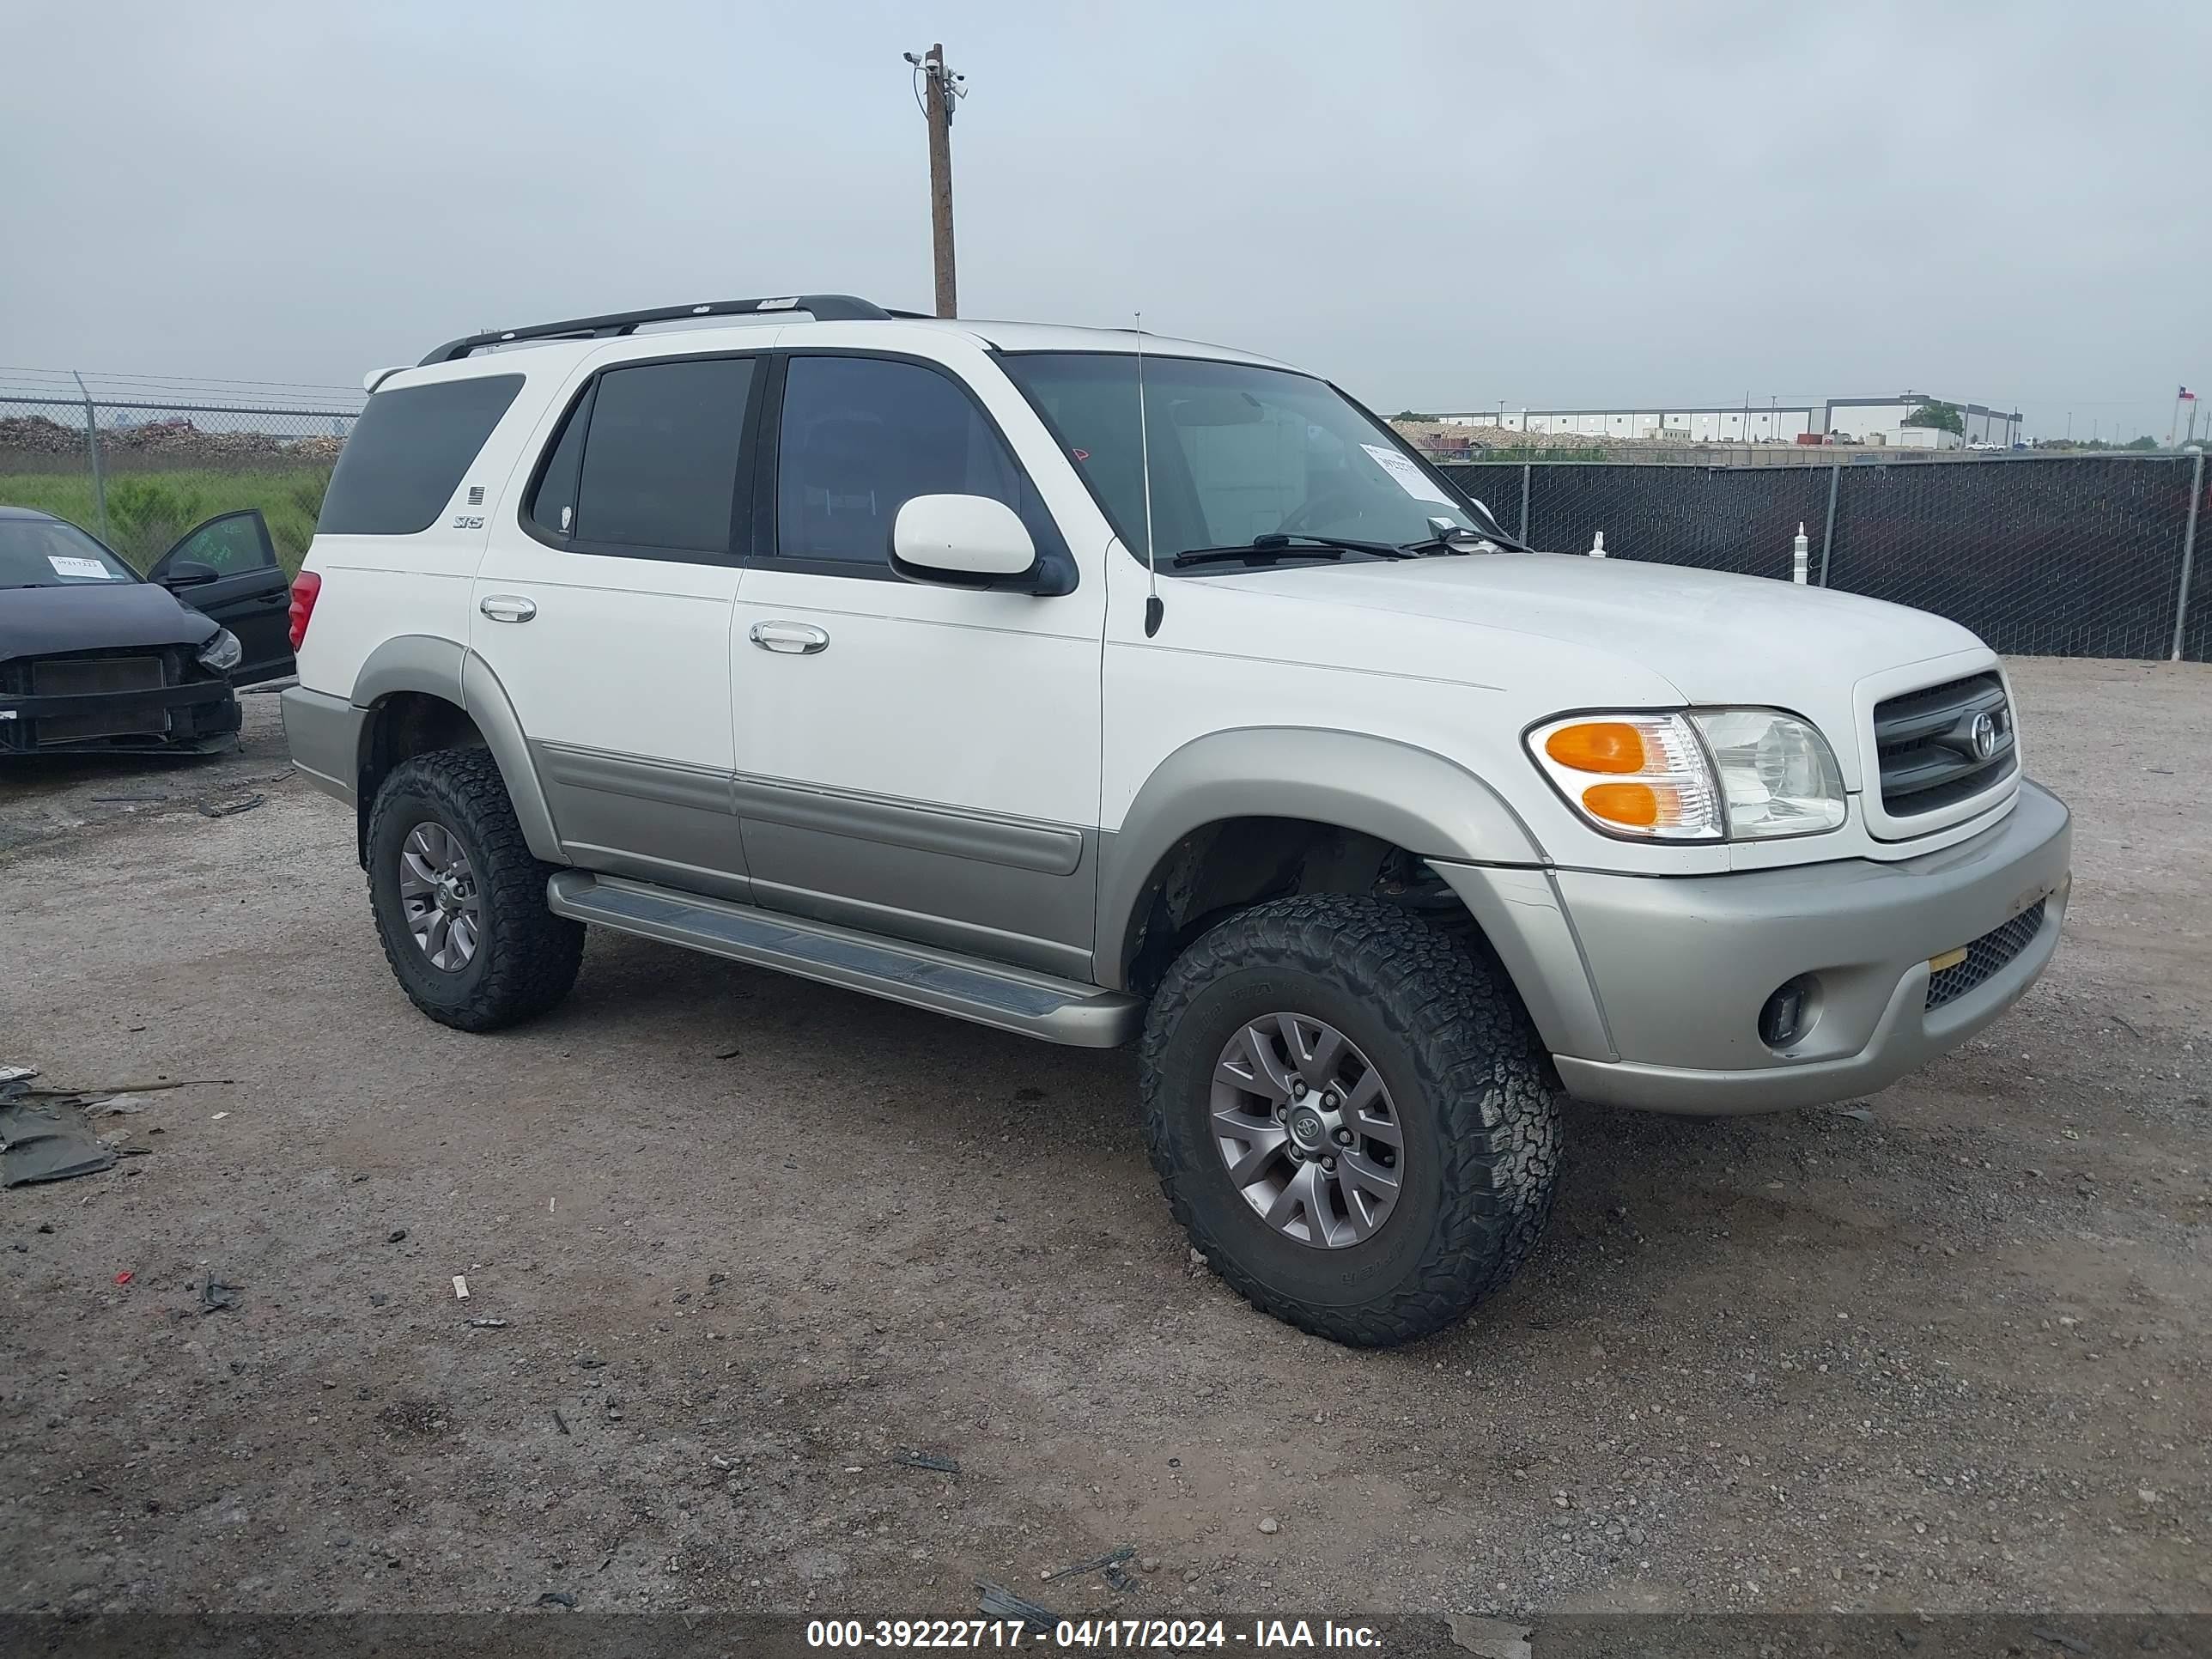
(235,544)
(862,436)
(1237,451)
(47,553)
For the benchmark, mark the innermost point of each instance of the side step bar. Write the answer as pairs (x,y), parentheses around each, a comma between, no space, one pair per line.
(944,981)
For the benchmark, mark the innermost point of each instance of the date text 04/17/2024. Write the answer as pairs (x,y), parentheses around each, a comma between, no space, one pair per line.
(1090,1634)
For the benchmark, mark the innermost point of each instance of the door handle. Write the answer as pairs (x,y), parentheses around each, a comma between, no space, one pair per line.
(508,607)
(791,639)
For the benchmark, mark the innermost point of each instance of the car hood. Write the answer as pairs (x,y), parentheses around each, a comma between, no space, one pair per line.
(1575,632)
(1716,637)
(40,622)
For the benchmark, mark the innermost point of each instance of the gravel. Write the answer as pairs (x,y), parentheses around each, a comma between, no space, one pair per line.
(1952,1358)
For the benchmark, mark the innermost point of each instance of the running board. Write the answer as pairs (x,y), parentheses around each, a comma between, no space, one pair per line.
(944,981)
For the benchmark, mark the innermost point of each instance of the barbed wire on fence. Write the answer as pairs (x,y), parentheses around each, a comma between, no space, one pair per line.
(2066,554)
(139,467)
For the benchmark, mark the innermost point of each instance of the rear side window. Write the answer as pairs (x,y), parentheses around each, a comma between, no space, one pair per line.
(647,464)
(407,453)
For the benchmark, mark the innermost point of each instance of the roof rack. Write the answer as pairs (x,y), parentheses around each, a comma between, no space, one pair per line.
(823,307)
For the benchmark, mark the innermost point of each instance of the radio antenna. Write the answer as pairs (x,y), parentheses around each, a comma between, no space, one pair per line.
(1153,609)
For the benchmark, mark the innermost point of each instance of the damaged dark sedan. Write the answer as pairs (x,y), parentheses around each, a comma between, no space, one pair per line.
(96,659)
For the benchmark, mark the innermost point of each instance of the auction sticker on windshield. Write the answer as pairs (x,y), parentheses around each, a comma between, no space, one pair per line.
(1411,478)
(91,569)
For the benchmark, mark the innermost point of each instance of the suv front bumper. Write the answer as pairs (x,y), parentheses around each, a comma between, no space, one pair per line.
(1648,989)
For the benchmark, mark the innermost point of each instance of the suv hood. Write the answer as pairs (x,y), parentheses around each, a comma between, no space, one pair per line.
(1715,637)
(41,622)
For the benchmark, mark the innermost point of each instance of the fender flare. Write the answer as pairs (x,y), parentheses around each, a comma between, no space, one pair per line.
(444,669)
(1411,796)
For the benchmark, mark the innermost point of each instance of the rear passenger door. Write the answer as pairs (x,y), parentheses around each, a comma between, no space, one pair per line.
(603,604)
(912,759)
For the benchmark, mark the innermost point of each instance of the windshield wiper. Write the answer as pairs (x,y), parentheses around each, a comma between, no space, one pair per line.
(1280,544)
(1457,538)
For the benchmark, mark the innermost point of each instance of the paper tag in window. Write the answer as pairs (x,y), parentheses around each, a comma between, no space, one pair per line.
(1411,478)
(65,565)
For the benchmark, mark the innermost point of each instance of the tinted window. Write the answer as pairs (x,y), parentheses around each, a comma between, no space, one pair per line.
(407,453)
(660,460)
(860,436)
(553,503)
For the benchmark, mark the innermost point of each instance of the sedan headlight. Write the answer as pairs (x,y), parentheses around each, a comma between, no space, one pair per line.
(223,652)
(1706,775)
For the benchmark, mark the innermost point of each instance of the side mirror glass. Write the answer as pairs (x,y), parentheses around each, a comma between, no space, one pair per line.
(968,541)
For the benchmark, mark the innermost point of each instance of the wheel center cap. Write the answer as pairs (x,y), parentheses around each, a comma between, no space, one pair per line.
(1307,1129)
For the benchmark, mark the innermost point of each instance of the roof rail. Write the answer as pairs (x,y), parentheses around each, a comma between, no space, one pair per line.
(823,307)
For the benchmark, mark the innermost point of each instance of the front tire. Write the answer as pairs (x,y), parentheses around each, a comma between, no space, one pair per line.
(459,901)
(1350,1117)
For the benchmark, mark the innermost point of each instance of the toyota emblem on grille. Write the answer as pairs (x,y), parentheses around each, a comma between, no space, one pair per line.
(1984,735)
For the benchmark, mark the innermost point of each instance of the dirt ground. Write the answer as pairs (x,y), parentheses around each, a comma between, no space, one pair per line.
(734,1242)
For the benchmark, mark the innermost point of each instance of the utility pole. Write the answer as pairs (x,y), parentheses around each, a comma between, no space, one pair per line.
(941,90)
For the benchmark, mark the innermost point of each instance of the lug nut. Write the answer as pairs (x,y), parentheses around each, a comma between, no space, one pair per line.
(1297,1157)
(1297,1091)
(1281,1112)
(1329,1165)
(1344,1137)
(1329,1099)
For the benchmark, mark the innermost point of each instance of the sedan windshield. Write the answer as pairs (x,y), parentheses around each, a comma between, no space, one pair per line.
(1237,452)
(47,553)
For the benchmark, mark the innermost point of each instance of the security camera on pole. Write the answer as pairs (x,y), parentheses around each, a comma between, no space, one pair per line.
(940,89)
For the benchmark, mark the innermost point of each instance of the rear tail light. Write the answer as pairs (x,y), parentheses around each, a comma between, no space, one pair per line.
(304,586)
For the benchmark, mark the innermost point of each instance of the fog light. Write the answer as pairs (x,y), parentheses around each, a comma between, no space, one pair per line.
(1788,1013)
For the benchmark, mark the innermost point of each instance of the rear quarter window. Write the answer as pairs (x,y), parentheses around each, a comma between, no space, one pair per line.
(407,453)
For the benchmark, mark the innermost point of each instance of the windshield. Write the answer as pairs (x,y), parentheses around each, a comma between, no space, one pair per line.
(1236,452)
(47,553)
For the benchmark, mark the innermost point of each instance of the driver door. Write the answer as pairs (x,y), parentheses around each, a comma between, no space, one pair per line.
(249,594)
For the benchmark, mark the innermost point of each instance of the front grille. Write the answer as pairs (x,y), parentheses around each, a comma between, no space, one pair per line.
(80,676)
(1926,744)
(1986,957)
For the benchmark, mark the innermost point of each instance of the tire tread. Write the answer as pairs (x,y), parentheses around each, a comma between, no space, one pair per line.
(1473,1051)
(533,955)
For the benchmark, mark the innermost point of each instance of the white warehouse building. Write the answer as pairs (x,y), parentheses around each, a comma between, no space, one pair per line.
(1882,420)
(1864,420)
(1707,426)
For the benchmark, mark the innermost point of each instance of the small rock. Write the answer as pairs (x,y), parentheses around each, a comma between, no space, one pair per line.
(1269,1525)
(1149,1563)
(396,1235)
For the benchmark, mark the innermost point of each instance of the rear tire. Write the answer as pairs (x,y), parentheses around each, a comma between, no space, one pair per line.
(1439,1188)
(459,901)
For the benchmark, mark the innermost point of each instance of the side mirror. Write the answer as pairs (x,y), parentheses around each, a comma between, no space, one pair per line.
(968,541)
(187,573)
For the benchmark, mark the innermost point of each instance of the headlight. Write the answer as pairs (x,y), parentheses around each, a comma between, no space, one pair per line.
(223,652)
(1708,774)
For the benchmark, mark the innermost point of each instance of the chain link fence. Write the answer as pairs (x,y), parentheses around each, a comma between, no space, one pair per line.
(2070,555)
(2086,555)
(139,463)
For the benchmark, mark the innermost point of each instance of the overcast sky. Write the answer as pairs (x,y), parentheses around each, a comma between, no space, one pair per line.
(1438,205)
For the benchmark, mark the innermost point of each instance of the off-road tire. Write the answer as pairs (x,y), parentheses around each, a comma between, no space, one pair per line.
(1468,1075)
(527,956)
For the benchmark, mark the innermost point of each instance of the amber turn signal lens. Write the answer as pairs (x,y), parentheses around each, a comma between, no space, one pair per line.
(1637,806)
(1598,746)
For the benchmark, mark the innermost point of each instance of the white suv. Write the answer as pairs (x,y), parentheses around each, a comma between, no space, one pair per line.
(929,659)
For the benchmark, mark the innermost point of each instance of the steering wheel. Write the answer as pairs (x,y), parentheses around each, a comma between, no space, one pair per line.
(1300,520)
